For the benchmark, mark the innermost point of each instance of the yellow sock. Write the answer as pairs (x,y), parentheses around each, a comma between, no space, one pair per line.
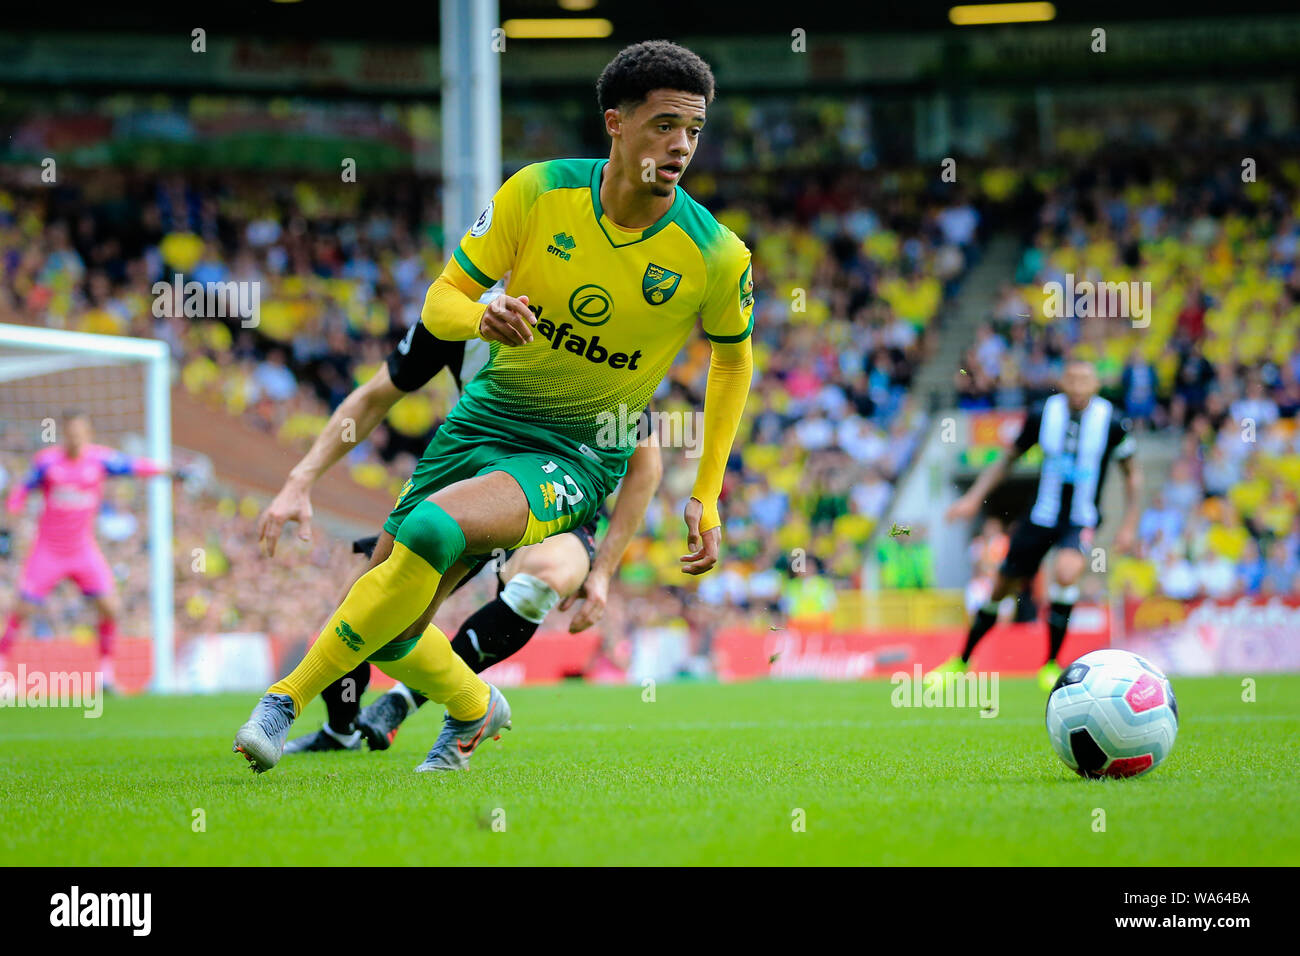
(383,603)
(438,672)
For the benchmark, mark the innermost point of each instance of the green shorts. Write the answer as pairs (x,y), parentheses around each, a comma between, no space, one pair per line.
(563,492)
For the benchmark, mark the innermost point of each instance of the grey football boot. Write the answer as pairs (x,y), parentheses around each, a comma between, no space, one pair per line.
(378,723)
(459,738)
(261,739)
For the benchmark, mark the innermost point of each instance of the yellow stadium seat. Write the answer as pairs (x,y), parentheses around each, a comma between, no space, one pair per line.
(370,474)
(1137,577)
(1246,496)
(1227,541)
(412,415)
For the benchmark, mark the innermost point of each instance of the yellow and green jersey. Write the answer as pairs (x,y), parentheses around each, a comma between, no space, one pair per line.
(613,307)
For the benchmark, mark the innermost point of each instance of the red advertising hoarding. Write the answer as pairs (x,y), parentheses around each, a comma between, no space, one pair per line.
(742,654)
(1214,636)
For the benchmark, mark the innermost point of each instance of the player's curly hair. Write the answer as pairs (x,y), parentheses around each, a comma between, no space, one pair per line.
(653,65)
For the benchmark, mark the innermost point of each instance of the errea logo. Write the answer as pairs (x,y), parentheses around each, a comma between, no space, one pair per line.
(350,637)
(562,246)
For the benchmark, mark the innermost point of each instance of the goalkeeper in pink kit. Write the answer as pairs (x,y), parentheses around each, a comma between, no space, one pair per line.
(72,476)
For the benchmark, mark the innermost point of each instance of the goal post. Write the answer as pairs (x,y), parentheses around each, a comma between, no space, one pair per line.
(125,384)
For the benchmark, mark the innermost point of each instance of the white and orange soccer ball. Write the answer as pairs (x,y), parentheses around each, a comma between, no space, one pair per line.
(1112,714)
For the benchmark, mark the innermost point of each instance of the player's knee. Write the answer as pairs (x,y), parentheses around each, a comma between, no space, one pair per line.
(432,534)
(1069,568)
(530,597)
(1058,593)
(559,576)
(560,561)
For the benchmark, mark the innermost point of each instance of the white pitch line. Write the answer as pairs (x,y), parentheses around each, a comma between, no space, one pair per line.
(971,719)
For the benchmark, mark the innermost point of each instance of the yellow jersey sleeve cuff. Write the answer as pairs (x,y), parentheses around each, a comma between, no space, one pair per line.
(730,372)
(710,518)
(733,338)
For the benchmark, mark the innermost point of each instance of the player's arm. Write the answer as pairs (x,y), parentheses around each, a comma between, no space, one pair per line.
(968,505)
(355,418)
(486,252)
(453,312)
(120,465)
(409,367)
(1125,451)
(18,494)
(644,470)
(728,319)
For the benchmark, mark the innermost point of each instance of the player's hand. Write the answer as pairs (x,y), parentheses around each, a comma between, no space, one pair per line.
(293,503)
(964,507)
(704,547)
(1125,539)
(594,594)
(507,320)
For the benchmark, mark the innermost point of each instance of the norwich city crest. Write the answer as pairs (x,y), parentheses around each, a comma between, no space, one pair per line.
(658,284)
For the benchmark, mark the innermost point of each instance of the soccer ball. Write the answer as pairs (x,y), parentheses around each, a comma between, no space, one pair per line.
(1112,714)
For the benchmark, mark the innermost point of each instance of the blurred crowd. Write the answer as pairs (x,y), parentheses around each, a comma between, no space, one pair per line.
(853,272)
(1210,353)
(221,583)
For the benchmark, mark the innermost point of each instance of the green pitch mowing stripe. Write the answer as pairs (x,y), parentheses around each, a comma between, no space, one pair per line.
(705,774)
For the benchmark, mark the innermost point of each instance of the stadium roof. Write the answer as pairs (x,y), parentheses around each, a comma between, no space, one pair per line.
(401,20)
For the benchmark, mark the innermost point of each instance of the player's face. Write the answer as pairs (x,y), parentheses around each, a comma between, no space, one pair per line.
(659,136)
(1079,382)
(76,432)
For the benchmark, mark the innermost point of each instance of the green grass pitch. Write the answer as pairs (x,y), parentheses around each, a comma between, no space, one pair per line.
(705,774)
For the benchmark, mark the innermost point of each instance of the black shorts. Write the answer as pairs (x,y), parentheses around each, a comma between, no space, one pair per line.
(1031,542)
(586,534)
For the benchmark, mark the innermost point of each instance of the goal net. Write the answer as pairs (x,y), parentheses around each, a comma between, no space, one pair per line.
(123,385)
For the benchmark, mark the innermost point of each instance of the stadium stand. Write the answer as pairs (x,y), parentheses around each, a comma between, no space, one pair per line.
(1218,365)
(855,275)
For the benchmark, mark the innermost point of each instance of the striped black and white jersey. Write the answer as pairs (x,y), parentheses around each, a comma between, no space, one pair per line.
(1077,450)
